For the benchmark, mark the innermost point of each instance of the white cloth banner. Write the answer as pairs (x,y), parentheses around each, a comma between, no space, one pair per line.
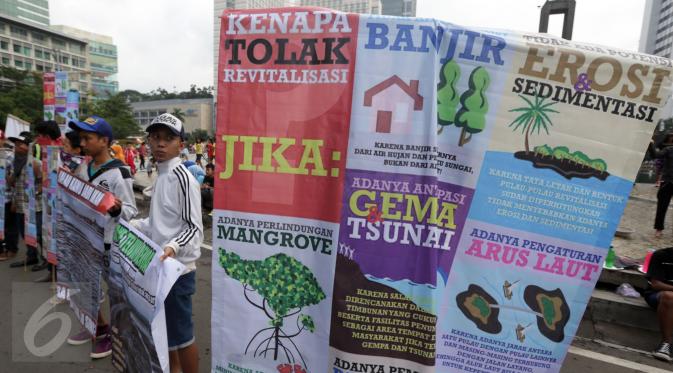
(138,285)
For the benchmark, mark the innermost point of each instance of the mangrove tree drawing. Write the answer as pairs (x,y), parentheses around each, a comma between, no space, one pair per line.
(533,118)
(286,286)
(471,118)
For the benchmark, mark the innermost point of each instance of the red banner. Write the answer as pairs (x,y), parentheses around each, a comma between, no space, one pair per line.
(273,147)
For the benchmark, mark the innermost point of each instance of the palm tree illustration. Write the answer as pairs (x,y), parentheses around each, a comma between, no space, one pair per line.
(533,117)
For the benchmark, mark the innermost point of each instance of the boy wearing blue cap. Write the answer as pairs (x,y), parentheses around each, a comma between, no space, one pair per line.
(113,176)
(175,224)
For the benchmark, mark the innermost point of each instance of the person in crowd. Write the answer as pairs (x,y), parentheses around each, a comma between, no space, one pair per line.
(175,223)
(72,147)
(210,150)
(47,134)
(151,166)
(195,170)
(663,151)
(198,149)
(659,296)
(18,181)
(11,240)
(184,154)
(130,157)
(118,152)
(142,153)
(207,188)
(114,176)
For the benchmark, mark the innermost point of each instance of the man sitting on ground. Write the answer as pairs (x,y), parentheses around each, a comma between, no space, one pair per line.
(660,297)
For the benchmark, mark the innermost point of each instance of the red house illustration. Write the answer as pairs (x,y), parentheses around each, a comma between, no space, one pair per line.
(394,100)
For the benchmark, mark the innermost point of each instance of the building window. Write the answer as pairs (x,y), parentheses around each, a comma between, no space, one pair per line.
(47,55)
(38,53)
(64,60)
(38,37)
(28,65)
(17,48)
(58,42)
(5,60)
(18,63)
(4,45)
(39,67)
(19,32)
(26,51)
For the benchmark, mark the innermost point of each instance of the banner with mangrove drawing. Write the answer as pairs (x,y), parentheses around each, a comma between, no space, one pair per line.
(408,195)
(81,253)
(138,285)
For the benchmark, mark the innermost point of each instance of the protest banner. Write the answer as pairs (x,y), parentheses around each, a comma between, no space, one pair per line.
(30,217)
(71,109)
(3,191)
(444,196)
(60,96)
(14,126)
(50,216)
(80,242)
(138,285)
(49,95)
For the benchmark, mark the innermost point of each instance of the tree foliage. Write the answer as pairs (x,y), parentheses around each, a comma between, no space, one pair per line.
(118,112)
(534,117)
(20,95)
(447,94)
(178,113)
(283,281)
(286,286)
(197,135)
(163,94)
(471,117)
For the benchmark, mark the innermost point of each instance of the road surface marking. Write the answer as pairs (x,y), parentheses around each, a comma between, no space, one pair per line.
(615,360)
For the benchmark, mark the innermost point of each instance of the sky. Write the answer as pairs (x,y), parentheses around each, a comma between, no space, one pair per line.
(169,43)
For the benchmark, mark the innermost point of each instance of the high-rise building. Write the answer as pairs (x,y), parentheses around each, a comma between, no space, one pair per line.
(33,11)
(102,53)
(656,36)
(26,46)
(350,6)
(404,8)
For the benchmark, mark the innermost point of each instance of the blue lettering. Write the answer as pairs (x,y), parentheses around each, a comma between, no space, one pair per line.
(465,44)
(428,33)
(404,36)
(455,33)
(493,49)
(469,44)
(377,31)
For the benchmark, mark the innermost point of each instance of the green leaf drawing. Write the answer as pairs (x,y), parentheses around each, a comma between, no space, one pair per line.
(471,117)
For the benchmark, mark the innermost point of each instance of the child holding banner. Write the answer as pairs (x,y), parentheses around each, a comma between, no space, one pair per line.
(175,224)
(114,176)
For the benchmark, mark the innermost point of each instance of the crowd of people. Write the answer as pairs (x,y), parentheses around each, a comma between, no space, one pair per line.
(174,222)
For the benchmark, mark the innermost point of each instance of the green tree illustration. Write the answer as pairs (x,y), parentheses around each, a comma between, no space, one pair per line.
(533,117)
(472,115)
(286,286)
(447,96)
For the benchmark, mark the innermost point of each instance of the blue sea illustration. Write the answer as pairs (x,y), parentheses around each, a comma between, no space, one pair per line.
(425,296)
